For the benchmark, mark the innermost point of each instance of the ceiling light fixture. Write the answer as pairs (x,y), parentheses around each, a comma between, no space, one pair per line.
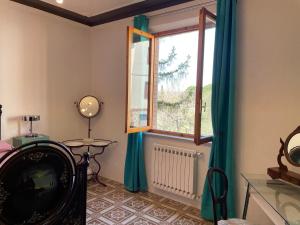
(60,1)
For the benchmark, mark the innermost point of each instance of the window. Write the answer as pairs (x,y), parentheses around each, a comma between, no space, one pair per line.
(139,80)
(175,79)
(170,79)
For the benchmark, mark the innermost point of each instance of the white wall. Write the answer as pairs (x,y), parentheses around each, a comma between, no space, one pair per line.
(268,79)
(267,86)
(108,44)
(52,62)
(47,63)
(44,68)
(109,83)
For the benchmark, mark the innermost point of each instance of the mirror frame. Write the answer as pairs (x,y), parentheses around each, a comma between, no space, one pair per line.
(78,106)
(282,172)
(286,145)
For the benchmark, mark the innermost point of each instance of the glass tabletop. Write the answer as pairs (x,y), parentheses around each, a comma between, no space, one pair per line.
(283,197)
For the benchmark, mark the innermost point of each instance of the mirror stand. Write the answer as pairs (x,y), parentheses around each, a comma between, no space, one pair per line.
(282,171)
(89,129)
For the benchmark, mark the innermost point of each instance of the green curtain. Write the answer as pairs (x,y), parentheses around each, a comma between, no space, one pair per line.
(135,173)
(223,106)
(141,22)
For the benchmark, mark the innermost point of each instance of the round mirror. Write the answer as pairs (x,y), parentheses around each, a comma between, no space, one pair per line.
(292,148)
(89,106)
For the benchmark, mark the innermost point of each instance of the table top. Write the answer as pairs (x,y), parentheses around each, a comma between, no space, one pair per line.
(78,143)
(283,197)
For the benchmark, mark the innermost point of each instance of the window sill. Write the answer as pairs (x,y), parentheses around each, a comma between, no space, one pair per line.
(203,140)
(170,136)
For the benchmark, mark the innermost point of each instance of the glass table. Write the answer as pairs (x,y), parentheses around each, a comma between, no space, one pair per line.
(283,197)
(98,146)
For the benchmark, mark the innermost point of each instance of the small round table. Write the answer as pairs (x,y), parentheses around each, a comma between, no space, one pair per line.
(97,144)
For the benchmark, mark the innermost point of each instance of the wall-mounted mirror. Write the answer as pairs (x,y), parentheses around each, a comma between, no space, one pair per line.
(89,107)
(291,150)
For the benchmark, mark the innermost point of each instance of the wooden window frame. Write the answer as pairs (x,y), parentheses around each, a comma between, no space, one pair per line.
(176,31)
(130,32)
(204,13)
(164,34)
(198,139)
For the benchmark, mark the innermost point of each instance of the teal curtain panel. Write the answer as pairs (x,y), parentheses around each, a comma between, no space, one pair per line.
(223,106)
(135,172)
(141,22)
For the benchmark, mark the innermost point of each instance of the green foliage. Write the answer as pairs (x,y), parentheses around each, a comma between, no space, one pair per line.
(206,126)
(178,113)
(176,109)
(182,98)
(172,75)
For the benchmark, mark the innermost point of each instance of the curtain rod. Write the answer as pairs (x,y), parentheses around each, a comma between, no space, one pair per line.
(207,3)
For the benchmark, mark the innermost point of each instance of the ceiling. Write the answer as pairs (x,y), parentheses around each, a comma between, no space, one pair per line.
(92,7)
(96,12)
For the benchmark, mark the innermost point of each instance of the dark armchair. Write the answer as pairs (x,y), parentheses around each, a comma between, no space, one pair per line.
(40,183)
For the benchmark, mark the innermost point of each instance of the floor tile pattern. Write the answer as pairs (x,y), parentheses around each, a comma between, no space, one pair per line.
(113,205)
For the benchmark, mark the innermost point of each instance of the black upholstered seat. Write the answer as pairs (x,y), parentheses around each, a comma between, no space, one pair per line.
(40,183)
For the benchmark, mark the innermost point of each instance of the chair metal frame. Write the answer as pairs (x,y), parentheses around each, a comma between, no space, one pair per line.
(221,200)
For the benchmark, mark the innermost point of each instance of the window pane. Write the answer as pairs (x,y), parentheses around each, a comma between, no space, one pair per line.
(139,72)
(175,83)
(209,43)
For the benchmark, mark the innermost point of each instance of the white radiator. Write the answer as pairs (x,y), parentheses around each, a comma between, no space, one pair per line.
(176,170)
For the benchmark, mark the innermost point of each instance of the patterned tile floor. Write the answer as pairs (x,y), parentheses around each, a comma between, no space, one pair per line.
(114,205)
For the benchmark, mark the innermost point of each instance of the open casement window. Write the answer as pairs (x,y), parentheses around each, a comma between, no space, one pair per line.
(139,80)
(203,128)
(169,80)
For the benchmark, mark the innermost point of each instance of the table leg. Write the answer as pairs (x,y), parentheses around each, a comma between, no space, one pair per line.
(246,201)
(98,171)
(96,174)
